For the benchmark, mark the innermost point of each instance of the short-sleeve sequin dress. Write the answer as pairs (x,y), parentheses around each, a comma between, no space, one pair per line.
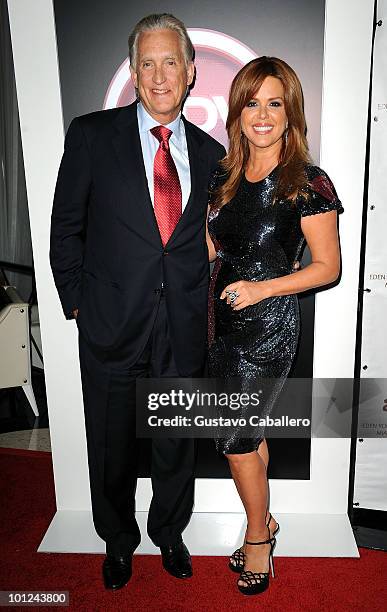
(257,240)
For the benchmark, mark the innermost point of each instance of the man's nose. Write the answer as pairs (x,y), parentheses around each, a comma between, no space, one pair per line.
(159,75)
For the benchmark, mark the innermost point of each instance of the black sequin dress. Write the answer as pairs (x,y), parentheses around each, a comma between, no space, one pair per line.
(257,240)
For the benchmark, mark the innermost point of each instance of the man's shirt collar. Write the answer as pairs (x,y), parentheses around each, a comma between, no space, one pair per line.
(146,122)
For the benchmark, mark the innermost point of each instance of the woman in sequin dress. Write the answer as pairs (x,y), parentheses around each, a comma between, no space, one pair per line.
(266,199)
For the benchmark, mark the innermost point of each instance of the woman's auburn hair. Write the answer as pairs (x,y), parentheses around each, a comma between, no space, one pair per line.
(294,153)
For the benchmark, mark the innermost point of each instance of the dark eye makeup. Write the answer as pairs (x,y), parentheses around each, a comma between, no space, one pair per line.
(274,103)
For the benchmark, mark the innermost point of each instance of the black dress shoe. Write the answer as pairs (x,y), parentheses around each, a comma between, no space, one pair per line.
(177,560)
(116,571)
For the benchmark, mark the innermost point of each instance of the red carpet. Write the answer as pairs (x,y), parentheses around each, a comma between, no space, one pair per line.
(28,504)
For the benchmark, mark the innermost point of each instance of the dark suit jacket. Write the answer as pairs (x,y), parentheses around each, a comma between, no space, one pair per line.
(106,252)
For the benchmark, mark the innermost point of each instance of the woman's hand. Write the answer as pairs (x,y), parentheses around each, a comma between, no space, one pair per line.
(248,293)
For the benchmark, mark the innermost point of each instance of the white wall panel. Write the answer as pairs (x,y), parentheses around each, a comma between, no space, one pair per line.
(371,455)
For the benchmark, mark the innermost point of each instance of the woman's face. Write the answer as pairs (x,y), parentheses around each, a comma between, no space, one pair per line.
(263,120)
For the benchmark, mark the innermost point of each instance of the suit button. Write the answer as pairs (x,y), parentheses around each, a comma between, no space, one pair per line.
(166,253)
(157,291)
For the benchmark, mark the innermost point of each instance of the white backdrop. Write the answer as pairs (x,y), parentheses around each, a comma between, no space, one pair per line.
(370,489)
(317,508)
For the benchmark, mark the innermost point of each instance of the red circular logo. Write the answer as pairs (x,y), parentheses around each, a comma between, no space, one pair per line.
(218,57)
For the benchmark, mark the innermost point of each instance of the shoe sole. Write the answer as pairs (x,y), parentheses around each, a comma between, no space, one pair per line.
(176,575)
(252,592)
(116,588)
(235,568)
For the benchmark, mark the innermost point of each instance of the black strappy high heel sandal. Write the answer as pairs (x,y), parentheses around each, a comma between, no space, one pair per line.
(276,530)
(239,556)
(257,582)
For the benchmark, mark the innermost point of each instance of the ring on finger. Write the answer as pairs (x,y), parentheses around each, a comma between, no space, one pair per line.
(233,295)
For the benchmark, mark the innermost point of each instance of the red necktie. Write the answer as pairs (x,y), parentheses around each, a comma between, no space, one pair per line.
(167,190)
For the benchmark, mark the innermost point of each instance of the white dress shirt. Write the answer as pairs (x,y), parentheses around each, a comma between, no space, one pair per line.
(177,146)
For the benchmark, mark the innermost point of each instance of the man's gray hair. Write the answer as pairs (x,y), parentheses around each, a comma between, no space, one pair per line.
(160,21)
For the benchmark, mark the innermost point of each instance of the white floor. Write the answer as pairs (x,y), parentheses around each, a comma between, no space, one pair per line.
(215,534)
(29,439)
(208,533)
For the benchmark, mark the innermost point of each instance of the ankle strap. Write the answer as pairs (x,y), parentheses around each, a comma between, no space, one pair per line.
(258,543)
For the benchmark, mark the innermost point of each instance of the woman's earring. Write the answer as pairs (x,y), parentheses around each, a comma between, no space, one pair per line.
(286,134)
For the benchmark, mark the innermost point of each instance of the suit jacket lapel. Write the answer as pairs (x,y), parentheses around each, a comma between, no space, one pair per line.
(193,145)
(127,145)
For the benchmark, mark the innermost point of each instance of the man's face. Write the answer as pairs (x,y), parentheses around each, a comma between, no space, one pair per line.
(161,75)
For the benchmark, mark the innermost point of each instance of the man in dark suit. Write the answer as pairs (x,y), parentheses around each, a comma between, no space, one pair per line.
(130,262)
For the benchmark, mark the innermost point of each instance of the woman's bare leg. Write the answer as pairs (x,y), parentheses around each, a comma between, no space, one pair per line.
(249,473)
(263,452)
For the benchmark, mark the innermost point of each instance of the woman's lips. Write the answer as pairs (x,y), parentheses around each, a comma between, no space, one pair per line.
(262,129)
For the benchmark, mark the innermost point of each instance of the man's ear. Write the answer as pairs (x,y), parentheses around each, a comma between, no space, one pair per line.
(190,73)
(134,77)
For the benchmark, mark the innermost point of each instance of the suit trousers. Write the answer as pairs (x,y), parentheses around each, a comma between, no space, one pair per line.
(110,418)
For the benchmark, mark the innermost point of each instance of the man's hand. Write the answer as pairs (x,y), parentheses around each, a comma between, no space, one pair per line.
(75,313)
